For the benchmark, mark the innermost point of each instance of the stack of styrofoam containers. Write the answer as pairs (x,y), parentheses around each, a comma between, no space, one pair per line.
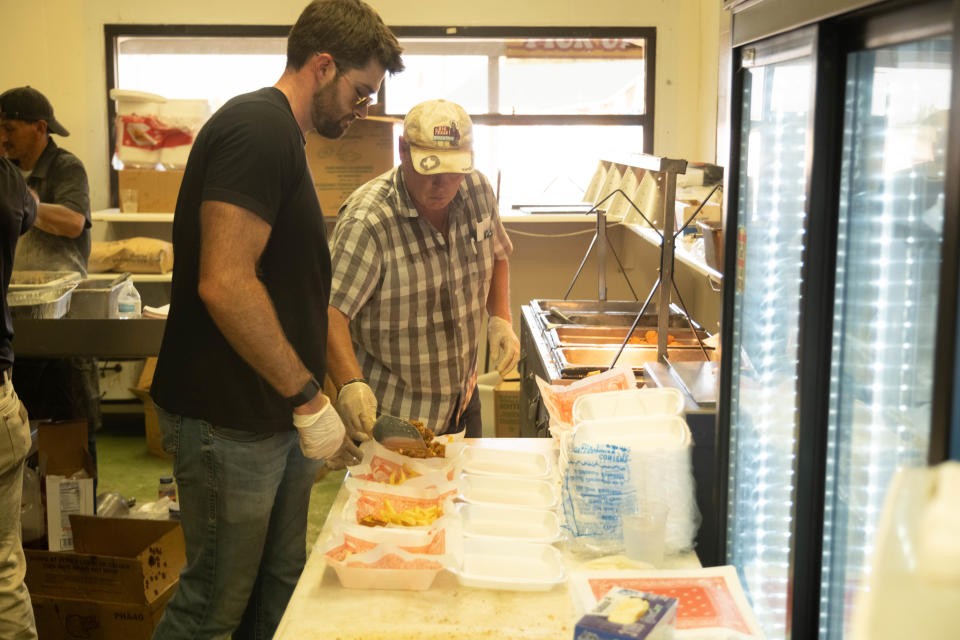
(650,423)
(509,522)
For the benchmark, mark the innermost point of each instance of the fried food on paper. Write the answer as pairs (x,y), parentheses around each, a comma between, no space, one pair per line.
(412,517)
(433,450)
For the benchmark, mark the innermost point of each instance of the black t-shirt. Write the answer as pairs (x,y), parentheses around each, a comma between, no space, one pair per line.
(249,154)
(18,211)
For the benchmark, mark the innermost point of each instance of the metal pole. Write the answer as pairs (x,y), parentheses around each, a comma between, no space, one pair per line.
(601,245)
(666,262)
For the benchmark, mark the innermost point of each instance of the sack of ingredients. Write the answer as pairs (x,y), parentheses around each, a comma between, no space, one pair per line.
(136,255)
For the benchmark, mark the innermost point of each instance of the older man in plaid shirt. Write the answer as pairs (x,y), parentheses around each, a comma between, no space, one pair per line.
(418,253)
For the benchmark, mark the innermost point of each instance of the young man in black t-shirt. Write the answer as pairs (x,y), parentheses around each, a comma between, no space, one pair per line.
(236,384)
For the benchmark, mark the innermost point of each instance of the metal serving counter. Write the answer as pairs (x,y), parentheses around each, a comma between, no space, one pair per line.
(106,338)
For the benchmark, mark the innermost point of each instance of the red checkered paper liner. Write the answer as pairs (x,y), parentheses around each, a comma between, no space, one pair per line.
(709,599)
(379,463)
(559,399)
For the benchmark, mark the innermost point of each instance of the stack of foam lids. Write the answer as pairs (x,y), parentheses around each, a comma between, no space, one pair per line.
(509,521)
(650,423)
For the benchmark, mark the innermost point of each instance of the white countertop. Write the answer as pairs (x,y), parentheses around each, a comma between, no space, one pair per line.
(320,608)
(115,215)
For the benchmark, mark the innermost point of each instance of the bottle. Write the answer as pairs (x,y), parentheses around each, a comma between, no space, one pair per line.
(32,520)
(167,489)
(128,301)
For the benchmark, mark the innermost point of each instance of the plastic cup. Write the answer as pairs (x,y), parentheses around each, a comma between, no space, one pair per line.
(129,200)
(644,531)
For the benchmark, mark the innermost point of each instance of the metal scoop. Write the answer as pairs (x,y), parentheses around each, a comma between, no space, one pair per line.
(396,433)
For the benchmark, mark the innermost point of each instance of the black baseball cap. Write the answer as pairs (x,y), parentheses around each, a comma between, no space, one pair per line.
(28,104)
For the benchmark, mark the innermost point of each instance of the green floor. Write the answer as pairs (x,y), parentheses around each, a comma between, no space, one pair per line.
(125,465)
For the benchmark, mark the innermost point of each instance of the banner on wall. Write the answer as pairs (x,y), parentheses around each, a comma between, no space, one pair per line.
(590,48)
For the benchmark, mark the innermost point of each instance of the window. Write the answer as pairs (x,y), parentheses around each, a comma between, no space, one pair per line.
(546,103)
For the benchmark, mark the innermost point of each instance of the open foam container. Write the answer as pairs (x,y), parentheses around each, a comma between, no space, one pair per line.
(509,523)
(510,566)
(648,401)
(501,490)
(483,461)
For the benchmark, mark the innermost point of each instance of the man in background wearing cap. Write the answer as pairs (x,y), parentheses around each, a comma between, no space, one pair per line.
(18,211)
(418,253)
(61,237)
(59,240)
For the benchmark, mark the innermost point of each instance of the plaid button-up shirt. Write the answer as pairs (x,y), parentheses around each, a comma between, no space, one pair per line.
(415,298)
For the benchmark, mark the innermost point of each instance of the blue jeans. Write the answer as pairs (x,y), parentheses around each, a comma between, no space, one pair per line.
(243,506)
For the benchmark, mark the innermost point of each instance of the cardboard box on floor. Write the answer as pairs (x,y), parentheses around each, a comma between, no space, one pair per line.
(69,619)
(63,452)
(116,583)
(157,191)
(506,406)
(340,166)
(151,423)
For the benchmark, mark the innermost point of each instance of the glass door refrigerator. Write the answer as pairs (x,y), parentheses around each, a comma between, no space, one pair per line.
(840,321)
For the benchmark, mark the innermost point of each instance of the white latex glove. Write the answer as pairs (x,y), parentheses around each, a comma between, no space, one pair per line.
(321,433)
(358,408)
(504,345)
(348,455)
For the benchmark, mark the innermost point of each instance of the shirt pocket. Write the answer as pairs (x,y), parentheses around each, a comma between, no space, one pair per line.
(414,290)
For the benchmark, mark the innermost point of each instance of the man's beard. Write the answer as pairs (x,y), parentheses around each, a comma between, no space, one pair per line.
(322,112)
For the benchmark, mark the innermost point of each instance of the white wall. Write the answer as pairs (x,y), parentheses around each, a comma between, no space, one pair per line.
(57,46)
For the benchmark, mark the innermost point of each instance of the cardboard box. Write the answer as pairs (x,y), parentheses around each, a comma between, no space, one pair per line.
(119,560)
(340,166)
(63,452)
(506,408)
(151,423)
(157,191)
(69,618)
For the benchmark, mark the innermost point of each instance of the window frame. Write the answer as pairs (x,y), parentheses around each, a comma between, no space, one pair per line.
(113,32)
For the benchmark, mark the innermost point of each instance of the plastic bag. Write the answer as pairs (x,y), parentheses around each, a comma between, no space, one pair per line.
(602,476)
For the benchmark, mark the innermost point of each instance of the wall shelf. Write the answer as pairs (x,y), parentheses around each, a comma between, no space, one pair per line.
(136,277)
(114,215)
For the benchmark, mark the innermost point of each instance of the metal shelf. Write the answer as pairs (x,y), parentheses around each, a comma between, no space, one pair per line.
(680,253)
(136,277)
(114,215)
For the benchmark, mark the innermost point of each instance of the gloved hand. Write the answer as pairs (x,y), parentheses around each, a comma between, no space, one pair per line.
(358,407)
(348,455)
(504,345)
(321,433)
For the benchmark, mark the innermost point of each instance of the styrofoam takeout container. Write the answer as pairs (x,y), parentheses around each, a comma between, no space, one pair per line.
(629,403)
(482,461)
(400,579)
(509,523)
(521,492)
(649,432)
(510,566)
